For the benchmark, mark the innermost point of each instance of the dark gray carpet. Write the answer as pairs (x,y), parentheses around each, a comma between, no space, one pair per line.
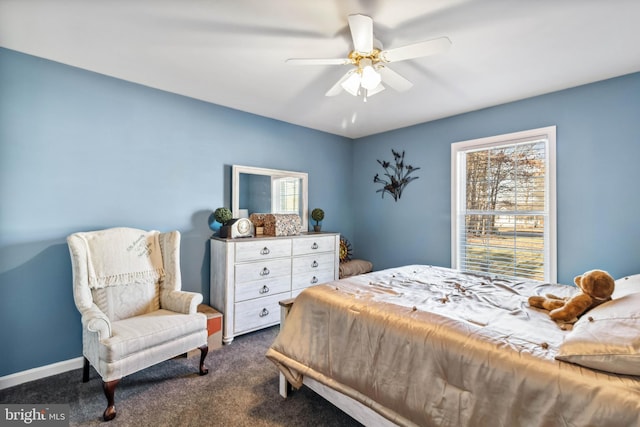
(241,389)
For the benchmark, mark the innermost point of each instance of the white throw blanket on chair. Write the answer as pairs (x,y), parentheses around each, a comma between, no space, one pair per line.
(121,256)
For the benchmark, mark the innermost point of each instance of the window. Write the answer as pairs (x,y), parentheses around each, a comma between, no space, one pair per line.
(503,205)
(286,195)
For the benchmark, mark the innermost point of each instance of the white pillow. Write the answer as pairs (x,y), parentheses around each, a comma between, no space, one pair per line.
(607,337)
(626,286)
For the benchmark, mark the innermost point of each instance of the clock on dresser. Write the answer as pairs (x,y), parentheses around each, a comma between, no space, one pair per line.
(237,227)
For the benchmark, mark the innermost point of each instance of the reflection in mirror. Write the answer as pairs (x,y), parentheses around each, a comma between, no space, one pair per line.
(260,190)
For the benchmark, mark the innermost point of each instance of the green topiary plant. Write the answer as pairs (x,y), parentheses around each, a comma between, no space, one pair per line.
(317,215)
(222,215)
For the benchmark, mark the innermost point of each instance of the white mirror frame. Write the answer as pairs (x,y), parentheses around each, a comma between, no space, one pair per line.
(277,173)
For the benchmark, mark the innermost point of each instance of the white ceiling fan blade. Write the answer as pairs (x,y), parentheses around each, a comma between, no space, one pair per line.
(337,88)
(362,33)
(318,61)
(416,50)
(394,79)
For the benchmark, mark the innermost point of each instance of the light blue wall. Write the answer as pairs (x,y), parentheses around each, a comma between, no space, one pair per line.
(598,152)
(80,151)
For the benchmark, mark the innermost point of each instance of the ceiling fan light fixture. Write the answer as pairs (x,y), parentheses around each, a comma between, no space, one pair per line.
(370,78)
(377,89)
(352,84)
(371,92)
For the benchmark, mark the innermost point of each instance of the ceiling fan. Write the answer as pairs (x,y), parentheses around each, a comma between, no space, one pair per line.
(371,74)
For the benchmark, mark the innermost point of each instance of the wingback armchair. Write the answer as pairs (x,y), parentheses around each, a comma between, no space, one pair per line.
(127,287)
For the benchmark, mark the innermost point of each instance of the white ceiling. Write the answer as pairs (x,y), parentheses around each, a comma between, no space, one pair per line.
(233,53)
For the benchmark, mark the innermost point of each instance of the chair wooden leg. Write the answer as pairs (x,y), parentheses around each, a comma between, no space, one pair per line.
(203,353)
(85,371)
(109,388)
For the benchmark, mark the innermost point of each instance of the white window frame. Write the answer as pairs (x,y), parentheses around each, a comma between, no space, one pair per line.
(458,188)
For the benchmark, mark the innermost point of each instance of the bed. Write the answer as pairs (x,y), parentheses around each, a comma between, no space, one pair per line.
(431,346)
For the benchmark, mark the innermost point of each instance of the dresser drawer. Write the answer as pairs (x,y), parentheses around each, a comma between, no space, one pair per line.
(262,249)
(262,288)
(304,280)
(311,263)
(310,245)
(258,313)
(263,270)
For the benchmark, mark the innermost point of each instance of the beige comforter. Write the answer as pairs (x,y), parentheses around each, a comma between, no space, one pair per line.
(432,346)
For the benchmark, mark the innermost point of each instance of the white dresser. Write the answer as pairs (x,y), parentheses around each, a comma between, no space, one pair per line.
(249,276)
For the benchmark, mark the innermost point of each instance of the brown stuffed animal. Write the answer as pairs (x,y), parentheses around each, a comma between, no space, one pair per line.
(596,286)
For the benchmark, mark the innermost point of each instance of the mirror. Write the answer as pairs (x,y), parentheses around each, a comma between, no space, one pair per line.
(260,190)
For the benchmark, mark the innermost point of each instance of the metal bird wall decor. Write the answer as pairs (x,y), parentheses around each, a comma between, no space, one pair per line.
(395,176)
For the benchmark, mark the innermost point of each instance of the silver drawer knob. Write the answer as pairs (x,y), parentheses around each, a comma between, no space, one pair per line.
(265,251)
(314,264)
(314,280)
(265,289)
(265,272)
(314,246)
(264,312)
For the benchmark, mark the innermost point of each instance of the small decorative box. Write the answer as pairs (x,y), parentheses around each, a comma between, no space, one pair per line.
(258,219)
(282,225)
(258,222)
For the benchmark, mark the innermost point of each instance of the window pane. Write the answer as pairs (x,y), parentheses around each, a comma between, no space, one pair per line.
(287,195)
(507,245)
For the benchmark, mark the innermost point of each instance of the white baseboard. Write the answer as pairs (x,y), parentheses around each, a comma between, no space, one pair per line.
(41,372)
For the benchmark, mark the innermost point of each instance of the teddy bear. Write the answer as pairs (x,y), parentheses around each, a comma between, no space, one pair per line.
(596,287)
